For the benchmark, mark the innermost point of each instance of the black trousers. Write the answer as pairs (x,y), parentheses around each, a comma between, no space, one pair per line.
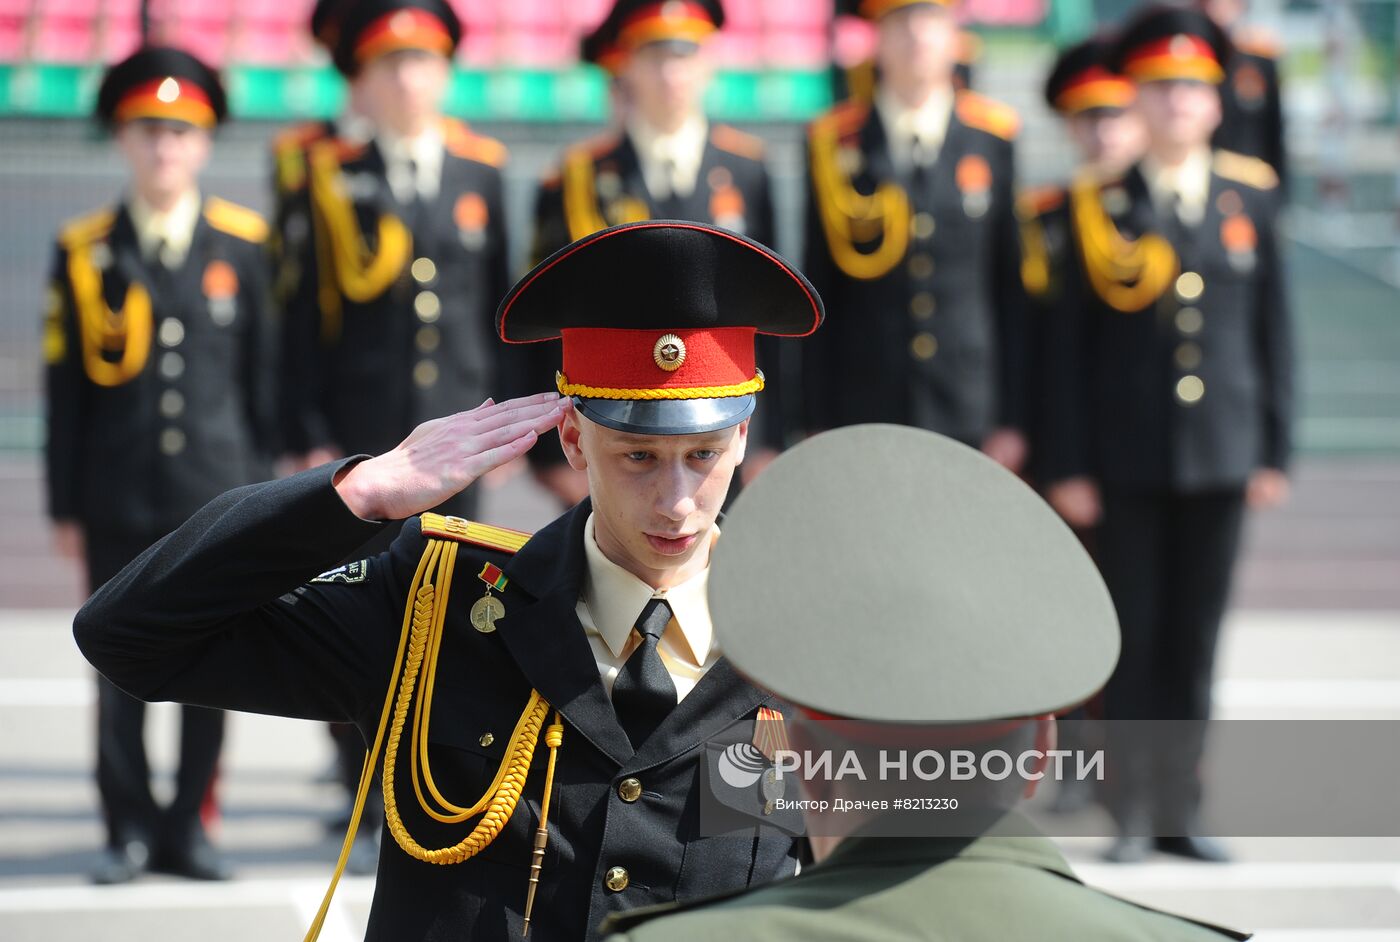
(1167,559)
(123,774)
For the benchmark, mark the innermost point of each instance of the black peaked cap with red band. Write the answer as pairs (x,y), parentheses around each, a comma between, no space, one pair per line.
(658,321)
(1171,43)
(369,28)
(326,18)
(163,83)
(636,23)
(1081,81)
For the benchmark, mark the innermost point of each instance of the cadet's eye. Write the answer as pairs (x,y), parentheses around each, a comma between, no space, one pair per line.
(705,454)
(638,456)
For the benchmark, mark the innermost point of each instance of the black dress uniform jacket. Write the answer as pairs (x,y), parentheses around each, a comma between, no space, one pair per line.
(1194,391)
(222,613)
(936,341)
(194,419)
(1047,252)
(415,341)
(1251,107)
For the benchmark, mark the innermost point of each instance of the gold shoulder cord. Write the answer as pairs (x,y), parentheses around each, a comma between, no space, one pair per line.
(1127,274)
(581,198)
(419,644)
(103,330)
(362,275)
(849,217)
(1035,257)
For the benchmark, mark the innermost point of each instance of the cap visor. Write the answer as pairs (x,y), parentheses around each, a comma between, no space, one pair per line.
(667,416)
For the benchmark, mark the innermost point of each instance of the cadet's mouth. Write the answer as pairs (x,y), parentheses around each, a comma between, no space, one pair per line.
(669,546)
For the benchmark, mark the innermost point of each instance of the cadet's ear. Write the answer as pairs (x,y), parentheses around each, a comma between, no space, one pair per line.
(1046,737)
(570,433)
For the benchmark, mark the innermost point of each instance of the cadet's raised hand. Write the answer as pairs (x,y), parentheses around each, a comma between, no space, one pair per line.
(444,456)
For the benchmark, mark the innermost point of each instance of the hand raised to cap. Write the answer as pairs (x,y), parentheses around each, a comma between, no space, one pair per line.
(444,456)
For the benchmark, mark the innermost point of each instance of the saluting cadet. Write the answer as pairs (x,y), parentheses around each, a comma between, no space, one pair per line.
(1169,390)
(665,161)
(912,241)
(1108,137)
(580,682)
(156,337)
(408,251)
(991,618)
(1251,100)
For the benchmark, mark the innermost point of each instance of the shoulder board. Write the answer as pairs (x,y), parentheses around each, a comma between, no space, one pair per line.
(469,531)
(552,179)
(1255,41)
(1248,170)
(595,146)
(847,117)
(465,143)
(341,149)
(969,47)
(738,142)
(300,136)
(984,114)
(238,221)
(1037,200)
(88,227)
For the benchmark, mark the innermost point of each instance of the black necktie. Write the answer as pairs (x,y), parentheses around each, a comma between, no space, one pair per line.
(643,692)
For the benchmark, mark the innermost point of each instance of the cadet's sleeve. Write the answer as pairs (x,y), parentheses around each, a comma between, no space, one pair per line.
(1275,340)
(220,613)
(1064,377)
(551,229)
(302,350)
(1276,144)
(259,352)
(817,353)
(1009,294)
(66,392)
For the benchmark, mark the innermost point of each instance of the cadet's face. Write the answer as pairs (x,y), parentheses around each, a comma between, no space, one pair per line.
(401,90)
(917,46)
(665,82)
(655,498)
(165,156)
(1109,138)
(1179,113)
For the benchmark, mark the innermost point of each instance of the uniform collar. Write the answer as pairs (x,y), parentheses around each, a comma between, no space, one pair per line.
(1188,181)
(683,148)
(928,123)
(424,150)
(170,232)
(615,598)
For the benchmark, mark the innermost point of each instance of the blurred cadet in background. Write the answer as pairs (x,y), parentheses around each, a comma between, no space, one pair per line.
(291,222)
(157,340)
(664,161)
(407,257)
(911,238)
(1251,102)
(1168,384)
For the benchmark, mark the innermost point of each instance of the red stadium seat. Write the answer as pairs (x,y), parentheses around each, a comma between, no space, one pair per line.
(64,39)
(537,48)
(267,44)
(11,38)
(120,37)
(799,49)
(738,50)
(15,9)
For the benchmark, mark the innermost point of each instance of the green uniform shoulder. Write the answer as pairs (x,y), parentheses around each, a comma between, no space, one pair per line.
(235,220)
(1250,171)
(87,228)
(986,114)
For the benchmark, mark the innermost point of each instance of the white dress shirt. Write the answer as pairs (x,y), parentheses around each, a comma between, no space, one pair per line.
(1187,185)
(915,135)
(670,162)
(412,164)
(168,233)
(611,602)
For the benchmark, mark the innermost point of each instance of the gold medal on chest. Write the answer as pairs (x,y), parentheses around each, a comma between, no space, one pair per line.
(488,609)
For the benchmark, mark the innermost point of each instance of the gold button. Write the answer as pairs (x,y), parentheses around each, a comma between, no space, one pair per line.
(172,404)
(486,739)
(616,879)
(1189,390)
(924,346)
(172,365)
(425,374)
(423,270)
(171,332)
(629,789)
(1190,321)
(172,441)
(1188,356)
(922,306)
(921,266)
(428,338)
(922,225)
(427,306)
(1189,286)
